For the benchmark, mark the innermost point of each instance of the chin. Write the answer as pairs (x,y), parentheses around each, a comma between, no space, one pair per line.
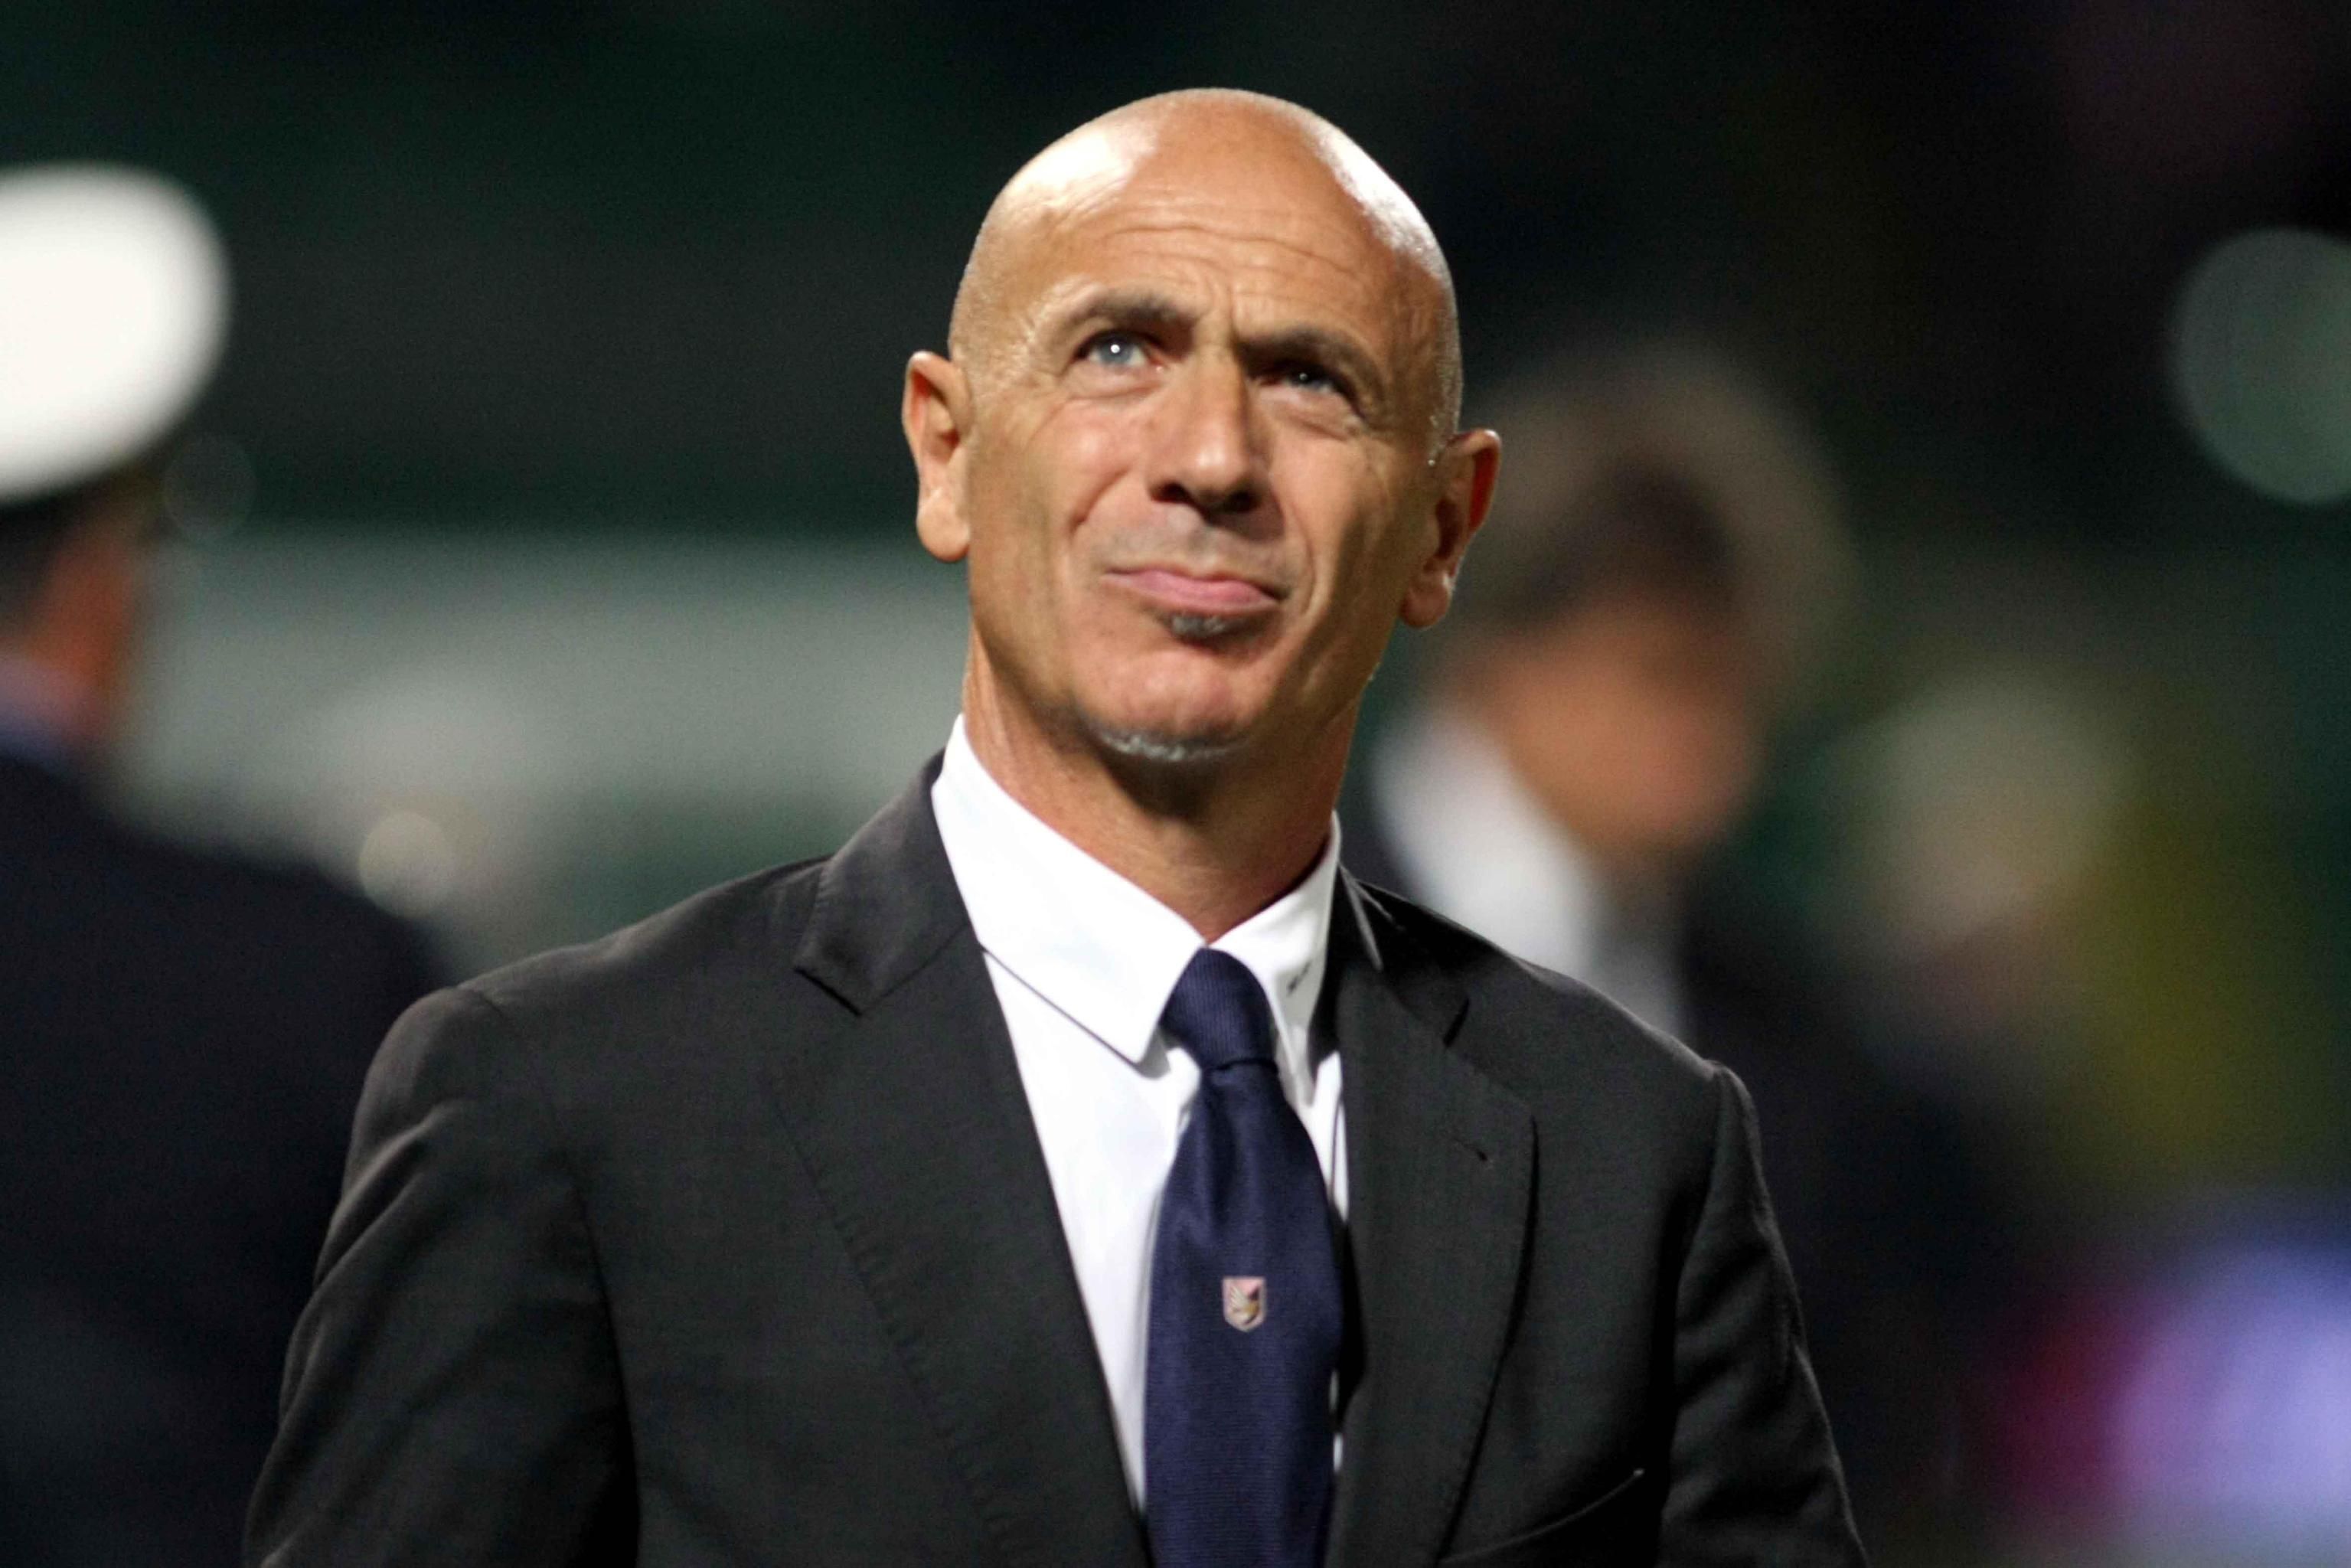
(1176,735)
(1172,712)
(1167,748)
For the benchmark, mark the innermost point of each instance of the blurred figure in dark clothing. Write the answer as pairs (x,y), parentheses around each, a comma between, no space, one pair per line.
(183,1035)
(1656,578)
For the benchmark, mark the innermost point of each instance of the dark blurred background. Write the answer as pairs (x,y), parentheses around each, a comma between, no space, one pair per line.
(554,480)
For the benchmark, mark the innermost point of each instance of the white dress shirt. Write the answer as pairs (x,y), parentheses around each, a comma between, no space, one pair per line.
(1475,846)
(1083,962)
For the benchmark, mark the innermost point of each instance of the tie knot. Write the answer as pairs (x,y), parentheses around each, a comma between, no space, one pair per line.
(1218,1012)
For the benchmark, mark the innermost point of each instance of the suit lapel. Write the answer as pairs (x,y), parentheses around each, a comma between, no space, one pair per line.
(1440,1161)
(910,1118)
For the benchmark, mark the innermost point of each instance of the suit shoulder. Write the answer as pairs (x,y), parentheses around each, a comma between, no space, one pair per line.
(304,897)
(126,859)
(218,941)
(1543,1033)
(714,936)
(322,939)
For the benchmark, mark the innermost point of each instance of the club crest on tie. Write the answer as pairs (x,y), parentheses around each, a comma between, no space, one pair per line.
(1244,1300)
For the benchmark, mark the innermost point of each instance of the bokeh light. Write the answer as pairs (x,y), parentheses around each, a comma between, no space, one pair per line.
(2262,361)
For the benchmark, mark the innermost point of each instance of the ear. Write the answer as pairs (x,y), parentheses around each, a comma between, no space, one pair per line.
(936,413)
(1465,476)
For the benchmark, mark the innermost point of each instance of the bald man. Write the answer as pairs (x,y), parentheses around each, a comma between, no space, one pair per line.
(1078,1168)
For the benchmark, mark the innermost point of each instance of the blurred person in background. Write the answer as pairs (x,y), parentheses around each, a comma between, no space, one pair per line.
(1654,588)
(183,1035)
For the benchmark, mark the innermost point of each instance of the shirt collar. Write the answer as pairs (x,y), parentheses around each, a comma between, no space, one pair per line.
(1099,948)
(1477,846)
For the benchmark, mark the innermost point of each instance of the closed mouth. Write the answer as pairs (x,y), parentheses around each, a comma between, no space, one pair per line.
(1211,595)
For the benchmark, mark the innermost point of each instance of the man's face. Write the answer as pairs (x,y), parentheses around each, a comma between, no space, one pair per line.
(1637,721)
(1196,485)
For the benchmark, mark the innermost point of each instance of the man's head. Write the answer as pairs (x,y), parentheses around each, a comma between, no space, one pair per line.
(1666,560)
(1195,439)
(113,297)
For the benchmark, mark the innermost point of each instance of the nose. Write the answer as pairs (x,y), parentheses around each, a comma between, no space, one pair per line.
(1206,450)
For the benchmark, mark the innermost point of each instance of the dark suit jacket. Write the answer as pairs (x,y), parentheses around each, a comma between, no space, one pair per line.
(728,1239)
(1908,1251)
(183,1039)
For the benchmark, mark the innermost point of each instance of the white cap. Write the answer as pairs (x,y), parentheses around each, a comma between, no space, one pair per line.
(114,302)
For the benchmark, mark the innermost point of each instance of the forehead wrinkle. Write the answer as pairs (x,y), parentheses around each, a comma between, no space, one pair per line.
(1343,261)
(1169,202)
(1062,231)
(1136,304)
(1129,155)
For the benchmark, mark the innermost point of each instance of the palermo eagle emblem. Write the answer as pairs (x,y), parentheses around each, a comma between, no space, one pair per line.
(1244,1300)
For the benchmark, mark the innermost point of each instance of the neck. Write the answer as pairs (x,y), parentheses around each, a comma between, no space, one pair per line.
(1216,840)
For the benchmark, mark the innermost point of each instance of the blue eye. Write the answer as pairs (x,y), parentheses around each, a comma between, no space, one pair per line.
(1116,350)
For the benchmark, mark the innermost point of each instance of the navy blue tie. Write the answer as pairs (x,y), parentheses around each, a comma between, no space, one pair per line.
(1246,1313)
